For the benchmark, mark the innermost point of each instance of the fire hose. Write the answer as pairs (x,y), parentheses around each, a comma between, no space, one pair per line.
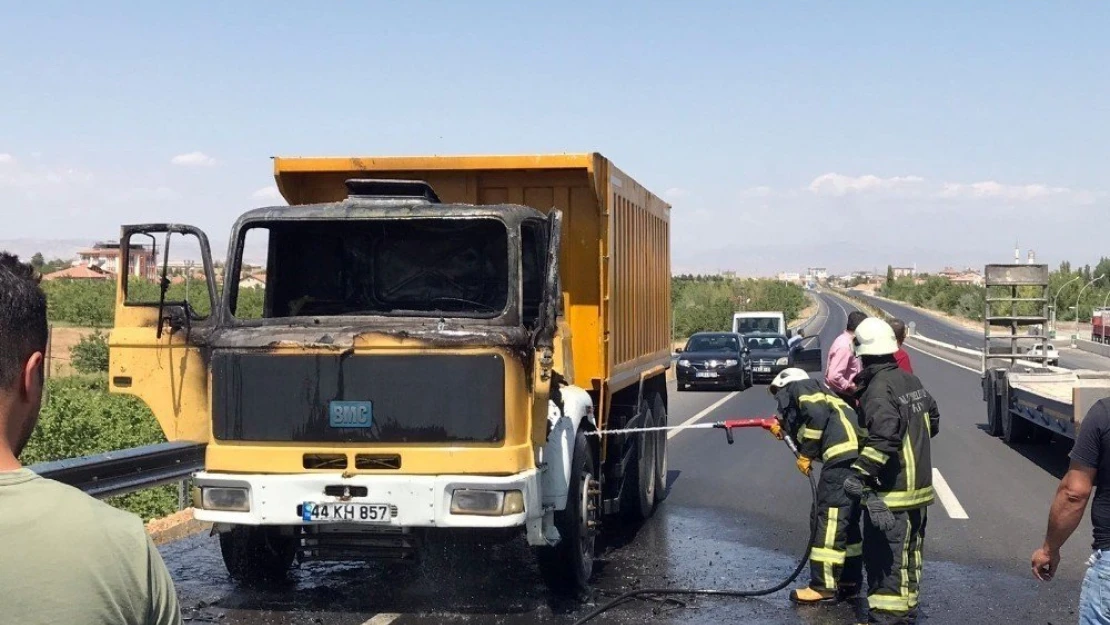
(765,423)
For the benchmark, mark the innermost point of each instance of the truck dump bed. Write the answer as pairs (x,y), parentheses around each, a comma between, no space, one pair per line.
(616,241)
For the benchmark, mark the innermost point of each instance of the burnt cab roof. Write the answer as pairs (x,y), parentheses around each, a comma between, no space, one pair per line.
(389,199)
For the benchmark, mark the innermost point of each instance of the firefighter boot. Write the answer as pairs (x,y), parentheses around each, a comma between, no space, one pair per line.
(809,596)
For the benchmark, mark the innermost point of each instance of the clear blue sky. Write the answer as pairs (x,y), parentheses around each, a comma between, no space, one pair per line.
(734,110)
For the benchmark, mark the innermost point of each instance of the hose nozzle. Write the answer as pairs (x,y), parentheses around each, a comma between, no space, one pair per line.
(759,422)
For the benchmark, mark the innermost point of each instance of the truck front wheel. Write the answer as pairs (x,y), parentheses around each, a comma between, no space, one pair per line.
(257,554)
(568,565)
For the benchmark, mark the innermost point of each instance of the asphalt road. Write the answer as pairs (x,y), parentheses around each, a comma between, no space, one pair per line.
(737,516)
(942,330)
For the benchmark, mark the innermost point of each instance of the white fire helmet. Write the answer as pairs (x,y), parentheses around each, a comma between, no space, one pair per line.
(875,337)
(786,376)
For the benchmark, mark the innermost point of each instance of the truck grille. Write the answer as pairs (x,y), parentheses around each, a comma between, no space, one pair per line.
(271,397)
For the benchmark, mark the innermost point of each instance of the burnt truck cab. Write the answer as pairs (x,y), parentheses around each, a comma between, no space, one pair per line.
(405,372)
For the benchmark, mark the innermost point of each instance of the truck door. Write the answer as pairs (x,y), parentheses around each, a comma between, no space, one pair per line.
(806,354)
(166,306)
(547,326)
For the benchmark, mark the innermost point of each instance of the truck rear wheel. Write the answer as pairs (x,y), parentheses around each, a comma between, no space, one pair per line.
(568,565)
(659,411)
(994,411)
(1014,428)
(639,480)
(257,554)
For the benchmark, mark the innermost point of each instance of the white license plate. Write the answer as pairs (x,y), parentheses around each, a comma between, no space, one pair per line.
(761,369)
(345,512)
(706,374)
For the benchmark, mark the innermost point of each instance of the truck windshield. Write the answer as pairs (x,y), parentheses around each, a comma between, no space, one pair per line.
(746,325)
(414,267)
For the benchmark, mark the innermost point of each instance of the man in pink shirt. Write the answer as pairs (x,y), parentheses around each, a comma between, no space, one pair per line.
(841,370)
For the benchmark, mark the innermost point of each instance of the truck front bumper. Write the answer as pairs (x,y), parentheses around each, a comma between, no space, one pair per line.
(417,500)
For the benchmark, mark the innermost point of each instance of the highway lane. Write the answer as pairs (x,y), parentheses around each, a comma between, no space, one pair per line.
(938,328)
(737,516)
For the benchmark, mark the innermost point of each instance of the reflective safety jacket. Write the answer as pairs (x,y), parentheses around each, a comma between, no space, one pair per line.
(825,428)
(900,417)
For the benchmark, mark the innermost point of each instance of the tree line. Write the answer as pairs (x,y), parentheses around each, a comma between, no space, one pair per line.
(1065,286)
(706,303)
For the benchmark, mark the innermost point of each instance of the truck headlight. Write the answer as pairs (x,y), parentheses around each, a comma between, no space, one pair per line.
(731,363)
(783,361)
(684,363)
(487,502)
(225,498)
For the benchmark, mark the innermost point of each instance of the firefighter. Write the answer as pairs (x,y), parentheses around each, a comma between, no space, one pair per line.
(894,468)
(826,430)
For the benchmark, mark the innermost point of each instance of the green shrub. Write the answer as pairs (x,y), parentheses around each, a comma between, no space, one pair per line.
(707,303)
(90,354)
(79,418)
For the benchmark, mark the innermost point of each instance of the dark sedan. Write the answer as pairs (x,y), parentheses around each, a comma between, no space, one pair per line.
(771,353)
(714,360)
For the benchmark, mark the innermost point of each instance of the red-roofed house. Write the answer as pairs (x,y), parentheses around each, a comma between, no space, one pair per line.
(79,272)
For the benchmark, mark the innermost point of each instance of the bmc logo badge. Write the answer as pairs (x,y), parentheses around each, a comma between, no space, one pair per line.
(350,414)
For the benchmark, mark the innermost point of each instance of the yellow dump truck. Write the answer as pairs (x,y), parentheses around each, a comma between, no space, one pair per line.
(441,345)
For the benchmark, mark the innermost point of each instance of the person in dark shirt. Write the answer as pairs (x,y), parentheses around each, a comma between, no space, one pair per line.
(1090,465)
(901,356)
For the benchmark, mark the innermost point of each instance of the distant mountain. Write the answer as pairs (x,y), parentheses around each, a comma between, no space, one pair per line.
(66,249)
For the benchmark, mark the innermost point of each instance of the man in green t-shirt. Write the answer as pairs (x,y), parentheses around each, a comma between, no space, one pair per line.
(64,556)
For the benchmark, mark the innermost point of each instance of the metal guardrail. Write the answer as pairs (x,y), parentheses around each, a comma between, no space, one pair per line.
(126,470)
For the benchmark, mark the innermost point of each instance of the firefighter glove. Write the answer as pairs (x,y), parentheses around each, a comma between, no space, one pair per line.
(880,514)
(877,510)
(853,486)
(804,465)
(776,430)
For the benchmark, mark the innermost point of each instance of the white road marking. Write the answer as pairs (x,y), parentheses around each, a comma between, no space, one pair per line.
(947,497)
(943,359)
(385,618)
(836,298)
(717,404)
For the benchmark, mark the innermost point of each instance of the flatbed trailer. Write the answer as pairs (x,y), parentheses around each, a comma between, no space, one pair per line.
(1027,400)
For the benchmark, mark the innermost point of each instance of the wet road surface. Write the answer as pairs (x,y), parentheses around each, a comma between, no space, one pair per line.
(736,517)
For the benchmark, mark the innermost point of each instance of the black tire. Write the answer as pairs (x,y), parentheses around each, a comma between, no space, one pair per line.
(568,566)
(659,410)
(638,494)
(994,411)
(1015,429)
(257,554)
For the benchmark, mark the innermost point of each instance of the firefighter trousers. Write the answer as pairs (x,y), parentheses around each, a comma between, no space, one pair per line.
(893,561)
(836,562)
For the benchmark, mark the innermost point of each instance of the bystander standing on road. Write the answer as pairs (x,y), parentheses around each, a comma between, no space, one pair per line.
(799,334)
(1090,465)
(64,556)
(901,356)
(843,365)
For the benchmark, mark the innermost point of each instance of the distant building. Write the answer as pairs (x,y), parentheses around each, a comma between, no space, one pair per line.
(253,281)
(816,274)
(79,272)
(904,272)
(106,256)
(791,277)
(962,276)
